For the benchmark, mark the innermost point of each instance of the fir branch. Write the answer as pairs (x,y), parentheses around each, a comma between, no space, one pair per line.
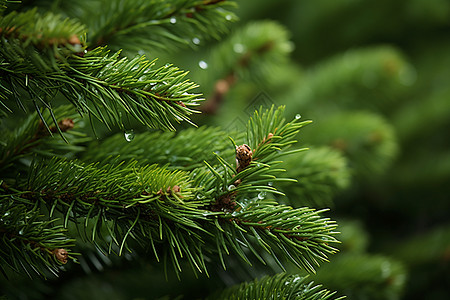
(280,286)
(366,139)
(51,34)
(32,137)
(101,85)
(345,82)
(185,149)
(188,215)
(155,97)
(261,220)
(158,24)
(270,136)
(249,53)
(364,275)
(107,88)
(299,235)
(29,242)
(321,173)
(115,197)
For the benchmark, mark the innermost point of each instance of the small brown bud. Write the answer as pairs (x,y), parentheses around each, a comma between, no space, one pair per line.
(176,189)
(66,124)
(243,157)
(61,254)
(74,40)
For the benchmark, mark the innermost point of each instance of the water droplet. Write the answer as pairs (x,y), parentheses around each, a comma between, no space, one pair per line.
(6,214)
(261,195)
(229,17)
(298,116)
(173,20)
(129,135)
(20,232)
(196,41)
(141,52)
(231,187)
(270,183)
(202,64)
(238,48)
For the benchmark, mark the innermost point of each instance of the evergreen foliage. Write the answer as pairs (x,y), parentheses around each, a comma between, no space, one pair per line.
(149,149)
(280,286)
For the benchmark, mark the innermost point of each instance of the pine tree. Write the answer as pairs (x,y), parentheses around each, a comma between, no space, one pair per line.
(195,199)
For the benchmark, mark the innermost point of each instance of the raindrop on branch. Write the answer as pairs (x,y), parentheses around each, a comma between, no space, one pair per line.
(238,48)
(173,20)
(129,135)
(202,64)
(298,116)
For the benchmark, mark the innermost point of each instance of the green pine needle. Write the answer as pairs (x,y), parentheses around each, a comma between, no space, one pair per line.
(280,286)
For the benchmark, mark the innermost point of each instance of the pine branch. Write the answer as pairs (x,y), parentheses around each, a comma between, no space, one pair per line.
(155,97)
(321,172)
(32,137)
(362,276)
(189,215)
(158,24)
(366,139)
(30,243)
(270,135)
(372,78)
(101,85)
(281,286)
(185,149)
(304,239)
(252,52)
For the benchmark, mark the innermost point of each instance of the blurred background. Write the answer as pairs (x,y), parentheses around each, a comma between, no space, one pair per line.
(374,76)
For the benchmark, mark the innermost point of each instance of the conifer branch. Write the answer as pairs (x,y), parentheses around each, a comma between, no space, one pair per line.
(101,85)
(32,137)
(191,214)
(270,136)
(249,53)
(321,173)
(304,239)
(367,139)
(185,149)
(144,25)
(281,286)
(29,242)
